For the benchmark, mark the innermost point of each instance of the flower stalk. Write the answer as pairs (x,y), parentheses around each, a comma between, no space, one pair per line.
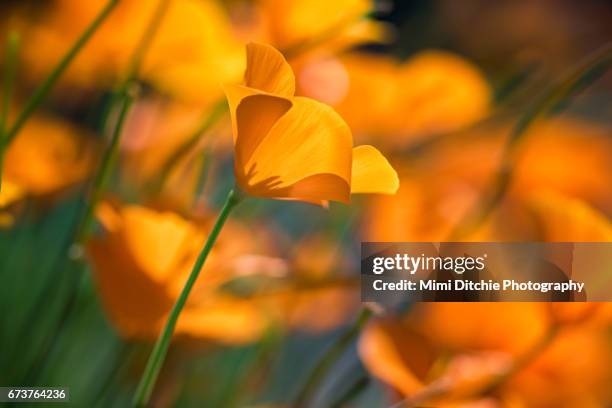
(158,355)
(104,172)
(123,97)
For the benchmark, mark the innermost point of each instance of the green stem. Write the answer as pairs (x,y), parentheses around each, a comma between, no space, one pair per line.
(330,357)
(135,62)
(41,92)
(156,359)
(121,95)
(7,91)
(145,42)
(103,174)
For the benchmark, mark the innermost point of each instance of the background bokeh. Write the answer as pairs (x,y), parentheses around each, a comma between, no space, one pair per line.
(437,86)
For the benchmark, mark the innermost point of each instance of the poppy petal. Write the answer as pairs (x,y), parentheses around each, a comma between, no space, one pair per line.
(372,173)
(256,115)
(223,318)
(565,219)
(309,139)
(268,71)
(393,354)
(235,94)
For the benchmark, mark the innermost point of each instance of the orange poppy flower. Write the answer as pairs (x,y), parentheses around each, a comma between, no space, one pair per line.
(141,262)
(194,36)
(440,186)
(336,25)
(47,156)
(443,92)
(294,147)
(548,201)
(449,354)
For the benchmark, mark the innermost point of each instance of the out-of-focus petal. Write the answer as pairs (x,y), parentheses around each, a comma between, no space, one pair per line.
(391,353)
(155,238)
(229,320)
(568,155)
(292,23)
(141,264)
(48,155)
(442,92)
(10,193)
(431,92)
(372,173)
(563,219)
(268,71)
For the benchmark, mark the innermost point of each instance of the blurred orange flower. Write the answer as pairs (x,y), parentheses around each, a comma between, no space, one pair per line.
(47,156)
(292,24)
(142,261)
(432,92)
(444,362)
(548,201)
(294,147)
(195,36)
(439,187)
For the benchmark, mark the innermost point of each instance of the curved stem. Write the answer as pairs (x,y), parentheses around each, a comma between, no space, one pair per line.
(330,357)
(123,96)
(103,174)
(42,91)
(135,62)
(145,42)
(158,355)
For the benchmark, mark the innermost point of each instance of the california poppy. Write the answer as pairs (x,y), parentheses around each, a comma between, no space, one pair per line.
(443,92)
(194,36)
(439,187)
(291,24)
(548,201)
(141,260)
(140,265)
(294,147)
(47,156)
(456,361)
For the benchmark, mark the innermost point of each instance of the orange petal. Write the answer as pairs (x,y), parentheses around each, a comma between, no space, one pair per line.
(268,71)
(258,114)
(372,173)
(10,193)
(223,318)
(394,355)
(235,94)
(565,219)
(306,154)
(155,238)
